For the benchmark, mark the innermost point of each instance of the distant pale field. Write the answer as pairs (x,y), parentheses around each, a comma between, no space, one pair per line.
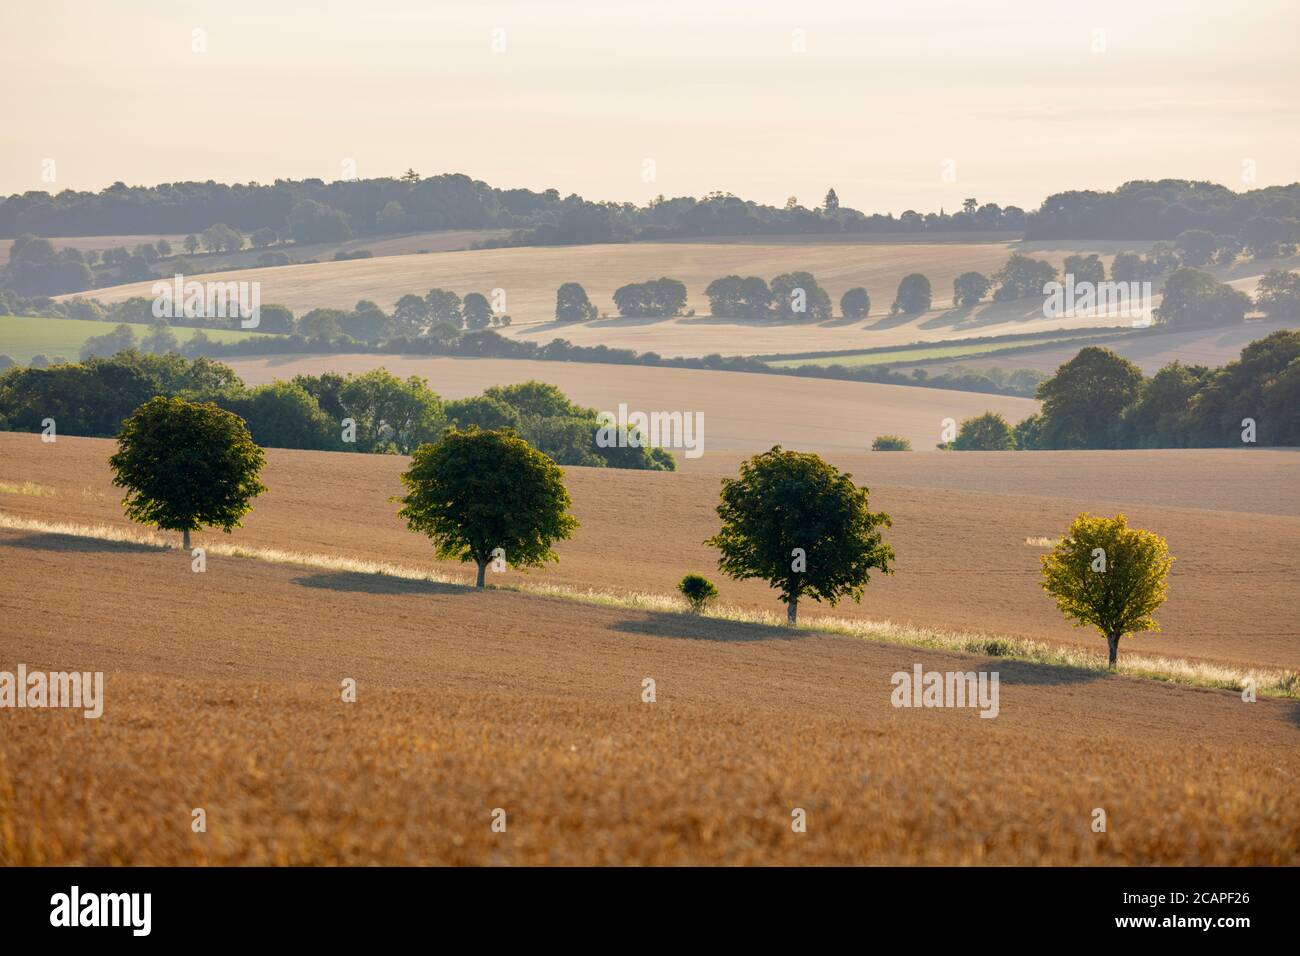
(1212,347)
(920,353)
(742,410)
(22,337)
(530,276)
(441,240)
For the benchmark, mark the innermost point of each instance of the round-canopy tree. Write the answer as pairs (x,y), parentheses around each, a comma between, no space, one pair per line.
(474,492)
(913,295)
(572,304)
(796,522)
(186,465)
(855,304)
(1109,575)
(987,432)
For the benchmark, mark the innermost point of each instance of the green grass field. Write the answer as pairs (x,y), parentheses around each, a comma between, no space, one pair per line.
(22,337)
(924,352)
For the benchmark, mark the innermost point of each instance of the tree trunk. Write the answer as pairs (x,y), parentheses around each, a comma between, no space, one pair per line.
(1113,641)
(792,611)
(185,541)
(482,573)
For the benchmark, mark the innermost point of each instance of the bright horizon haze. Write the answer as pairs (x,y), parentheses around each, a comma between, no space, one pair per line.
(762,99)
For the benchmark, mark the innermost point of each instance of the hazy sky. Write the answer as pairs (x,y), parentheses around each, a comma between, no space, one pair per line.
(717,93)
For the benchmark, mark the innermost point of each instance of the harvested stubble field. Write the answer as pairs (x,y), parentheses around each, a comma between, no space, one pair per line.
(742,410)
(222,692)
(961,520)
(530,276)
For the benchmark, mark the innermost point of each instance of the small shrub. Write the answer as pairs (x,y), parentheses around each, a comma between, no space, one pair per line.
(891,443)
(698,590)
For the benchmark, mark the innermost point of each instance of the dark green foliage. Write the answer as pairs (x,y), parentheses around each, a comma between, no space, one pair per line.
(970,288)
(312,221)
(1196,247)
(1028,433)
(1022,277)
(572,304)
(913,296)
(890,443)
(474,492)
(784,500)
(1083,401)
(797,296)
(1160,419)
(284,415)
(656,298)
(1085,268)
(855,303)
(482,411)
(1278,294)
(698,591)
(739,298)
(275,318)
(477,311)
(1195,299)
(987,432)
(119,339)
(186,466)
(1150,210)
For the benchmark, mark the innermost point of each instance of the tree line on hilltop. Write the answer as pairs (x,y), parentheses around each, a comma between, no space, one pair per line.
(218,217)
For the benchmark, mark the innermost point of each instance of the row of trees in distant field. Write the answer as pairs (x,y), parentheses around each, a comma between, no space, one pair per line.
(439,314)
(488,497)
(1191,297)
(1100,400)
(373,412)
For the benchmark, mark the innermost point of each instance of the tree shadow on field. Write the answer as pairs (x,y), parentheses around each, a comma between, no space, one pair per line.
(1293,715)
(78,545)
(840,321)
(963,318)
(1025,672)
(892,320)
(693,628)
(377,584)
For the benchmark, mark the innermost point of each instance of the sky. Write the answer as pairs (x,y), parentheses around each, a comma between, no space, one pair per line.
(896,104)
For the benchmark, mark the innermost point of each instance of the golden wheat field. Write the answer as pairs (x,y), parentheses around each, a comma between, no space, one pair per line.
(224,690)
(223,694)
